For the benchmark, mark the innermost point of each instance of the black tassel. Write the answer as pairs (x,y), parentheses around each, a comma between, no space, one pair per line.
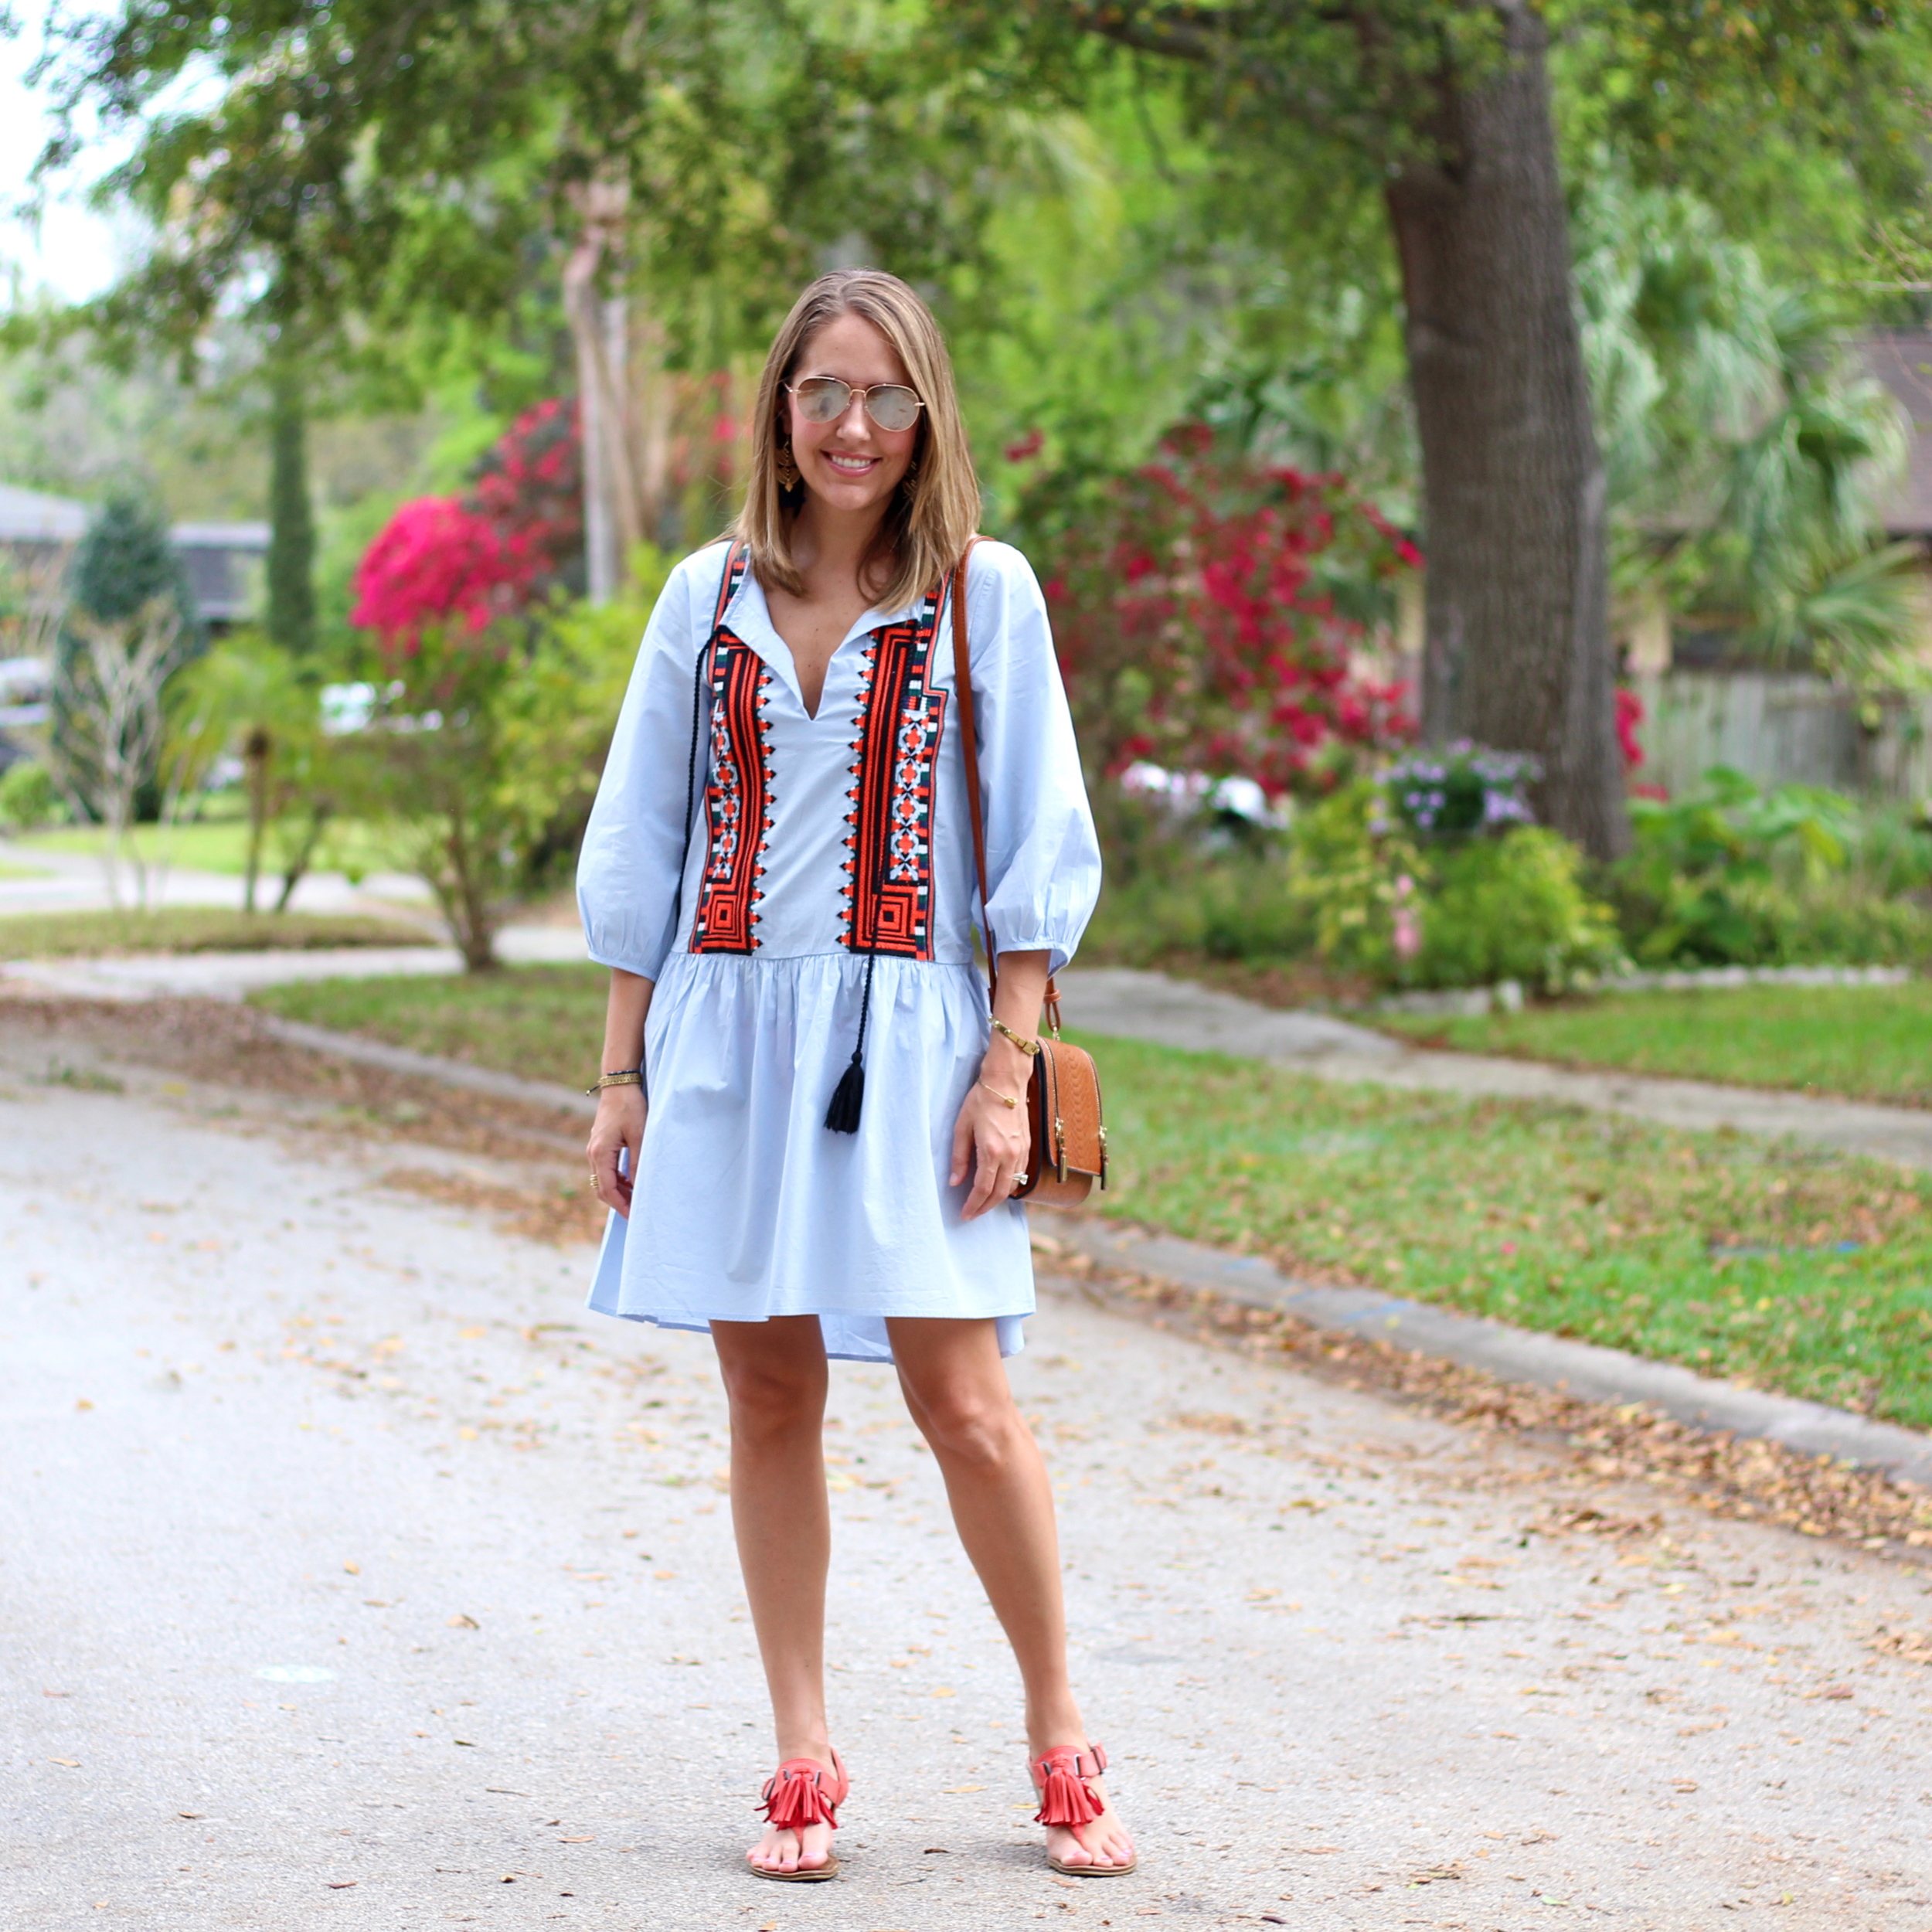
(848,1097)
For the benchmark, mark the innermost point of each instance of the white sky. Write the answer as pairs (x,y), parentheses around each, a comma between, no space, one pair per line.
(74,252)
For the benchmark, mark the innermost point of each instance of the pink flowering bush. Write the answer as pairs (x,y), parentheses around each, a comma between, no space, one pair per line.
(436,565)
(1205,620)
(456,565)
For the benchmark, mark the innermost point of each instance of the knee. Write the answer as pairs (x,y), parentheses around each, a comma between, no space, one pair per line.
(767,1401)
(969,1425)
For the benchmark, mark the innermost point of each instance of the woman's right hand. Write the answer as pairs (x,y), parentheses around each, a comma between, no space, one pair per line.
(618,1127)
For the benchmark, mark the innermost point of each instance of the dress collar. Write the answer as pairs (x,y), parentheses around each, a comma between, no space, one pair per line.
(748,618)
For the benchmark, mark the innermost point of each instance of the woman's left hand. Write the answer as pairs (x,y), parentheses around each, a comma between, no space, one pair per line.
(991,1142)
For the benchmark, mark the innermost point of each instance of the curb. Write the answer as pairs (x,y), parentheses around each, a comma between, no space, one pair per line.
(1550,1362)
(432,1066)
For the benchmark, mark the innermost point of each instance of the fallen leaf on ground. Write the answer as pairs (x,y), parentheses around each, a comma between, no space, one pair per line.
(459,1621)
(72,1763)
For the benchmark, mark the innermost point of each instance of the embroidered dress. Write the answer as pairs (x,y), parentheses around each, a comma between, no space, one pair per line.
(816,841)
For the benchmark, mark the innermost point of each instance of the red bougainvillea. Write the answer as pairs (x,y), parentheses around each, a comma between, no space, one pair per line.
(436,561)
(458,563)
(531,487)
(1206,620)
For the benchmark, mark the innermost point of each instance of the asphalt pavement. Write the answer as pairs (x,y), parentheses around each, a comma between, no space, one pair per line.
(353,1575)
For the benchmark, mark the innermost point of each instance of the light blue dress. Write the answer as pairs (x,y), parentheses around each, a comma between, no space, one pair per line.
(816,843)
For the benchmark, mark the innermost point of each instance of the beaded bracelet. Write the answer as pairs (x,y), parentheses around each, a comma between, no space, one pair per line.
(634,1078)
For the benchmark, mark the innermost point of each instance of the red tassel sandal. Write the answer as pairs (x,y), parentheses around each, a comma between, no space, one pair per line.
(1064,1777)
(802,1792)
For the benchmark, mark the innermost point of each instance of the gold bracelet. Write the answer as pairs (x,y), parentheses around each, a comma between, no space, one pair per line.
(1029,1047)
(998,1096)
(634,1078)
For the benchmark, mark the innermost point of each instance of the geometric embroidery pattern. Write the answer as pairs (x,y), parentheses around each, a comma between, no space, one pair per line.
(737,801)
(889,866)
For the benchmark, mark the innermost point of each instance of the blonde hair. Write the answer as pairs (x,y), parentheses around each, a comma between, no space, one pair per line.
(924,531)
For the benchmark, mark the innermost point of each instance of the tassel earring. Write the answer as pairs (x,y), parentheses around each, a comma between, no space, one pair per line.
(909,483)
(787,468)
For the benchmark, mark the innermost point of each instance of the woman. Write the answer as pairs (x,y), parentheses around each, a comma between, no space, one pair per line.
(778,873)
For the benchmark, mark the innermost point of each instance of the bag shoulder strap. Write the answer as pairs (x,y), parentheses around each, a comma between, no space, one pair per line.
(969,745)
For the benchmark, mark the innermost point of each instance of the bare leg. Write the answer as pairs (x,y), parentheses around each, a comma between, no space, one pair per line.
(775,1377)
(955,1385)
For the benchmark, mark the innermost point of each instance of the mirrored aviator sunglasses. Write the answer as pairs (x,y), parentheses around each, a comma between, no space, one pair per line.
(824,399)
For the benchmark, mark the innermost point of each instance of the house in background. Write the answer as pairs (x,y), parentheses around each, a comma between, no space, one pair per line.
(38,535)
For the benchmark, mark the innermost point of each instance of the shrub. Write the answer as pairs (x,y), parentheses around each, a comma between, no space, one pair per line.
(1793,875)
(1203,612)
(1346,865)
(27,796)
(1513,908)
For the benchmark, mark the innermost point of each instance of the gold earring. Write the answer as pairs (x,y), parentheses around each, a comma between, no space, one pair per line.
(909,483)
(787,467)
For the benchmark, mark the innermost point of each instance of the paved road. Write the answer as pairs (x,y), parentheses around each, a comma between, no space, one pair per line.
(353,1576)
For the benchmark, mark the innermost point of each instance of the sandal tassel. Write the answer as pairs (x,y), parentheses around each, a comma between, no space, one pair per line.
(795,1796)
(1064,1796)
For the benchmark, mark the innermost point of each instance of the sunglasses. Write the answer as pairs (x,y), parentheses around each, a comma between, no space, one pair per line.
(824,399)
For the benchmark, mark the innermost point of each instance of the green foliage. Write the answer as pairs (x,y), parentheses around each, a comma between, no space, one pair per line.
(250,698)
(1738,874)
(1514,907)
(1748,459)
(485,750)
(28,796)
(291,520)
(1356,891)
(1345,873)
(126,559)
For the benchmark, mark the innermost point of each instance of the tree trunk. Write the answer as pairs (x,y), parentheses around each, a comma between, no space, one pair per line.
(291,527)
(599,329)
(1517,642)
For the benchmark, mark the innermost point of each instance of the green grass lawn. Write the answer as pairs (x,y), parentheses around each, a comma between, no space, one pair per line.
(220,845)
(545,1022)
(1801,1270)
(193,929)
(1870,1042)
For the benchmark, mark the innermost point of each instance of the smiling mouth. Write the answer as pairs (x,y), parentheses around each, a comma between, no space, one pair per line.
(851,465)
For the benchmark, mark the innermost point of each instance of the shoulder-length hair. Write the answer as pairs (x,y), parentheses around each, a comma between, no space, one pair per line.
(925,530)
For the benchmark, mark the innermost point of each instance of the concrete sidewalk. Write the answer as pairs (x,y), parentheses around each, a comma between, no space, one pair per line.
(233,976)
(1149,1006)
(356,1577)
(50,882)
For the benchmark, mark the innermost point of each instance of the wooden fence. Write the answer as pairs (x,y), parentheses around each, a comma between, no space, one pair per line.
(1782,730)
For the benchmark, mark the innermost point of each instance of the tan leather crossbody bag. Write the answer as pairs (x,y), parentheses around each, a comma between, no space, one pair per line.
(1063,1098)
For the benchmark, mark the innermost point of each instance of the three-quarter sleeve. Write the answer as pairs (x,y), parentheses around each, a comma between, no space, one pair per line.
(633,846)
(1043,859)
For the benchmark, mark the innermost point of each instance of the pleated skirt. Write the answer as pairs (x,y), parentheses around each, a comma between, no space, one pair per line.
(747,1206)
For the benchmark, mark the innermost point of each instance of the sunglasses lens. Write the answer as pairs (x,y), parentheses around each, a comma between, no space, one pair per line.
(893,408)
(822,399)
